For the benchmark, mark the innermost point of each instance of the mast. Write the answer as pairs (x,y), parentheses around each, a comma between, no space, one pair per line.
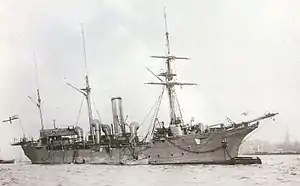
(87,94)
(170,88)
(39,100)
(170,85)
(87,88)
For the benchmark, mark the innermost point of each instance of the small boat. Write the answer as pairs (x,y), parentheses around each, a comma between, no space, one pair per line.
(10,161)
(7,161)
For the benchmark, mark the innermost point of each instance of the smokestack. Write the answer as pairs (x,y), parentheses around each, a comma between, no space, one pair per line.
(118,117)
(122,122)
(115,116)
(97,131)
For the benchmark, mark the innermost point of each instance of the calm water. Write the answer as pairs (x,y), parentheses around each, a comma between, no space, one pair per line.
(276,170)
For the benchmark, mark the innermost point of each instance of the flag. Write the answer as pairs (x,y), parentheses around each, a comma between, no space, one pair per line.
(11,118)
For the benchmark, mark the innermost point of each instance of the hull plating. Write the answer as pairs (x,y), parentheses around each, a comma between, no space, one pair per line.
(217,148)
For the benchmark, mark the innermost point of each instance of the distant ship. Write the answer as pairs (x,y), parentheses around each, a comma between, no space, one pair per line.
(173,142)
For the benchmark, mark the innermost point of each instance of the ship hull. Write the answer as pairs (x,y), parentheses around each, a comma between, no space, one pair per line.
(78,156)
(216,148)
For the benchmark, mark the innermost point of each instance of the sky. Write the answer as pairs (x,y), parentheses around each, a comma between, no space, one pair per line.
(244,57)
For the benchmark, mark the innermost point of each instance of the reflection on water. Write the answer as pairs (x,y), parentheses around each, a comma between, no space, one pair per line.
(275,171)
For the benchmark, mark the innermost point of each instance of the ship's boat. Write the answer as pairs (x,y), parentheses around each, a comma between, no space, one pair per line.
(7,161)
(175,142)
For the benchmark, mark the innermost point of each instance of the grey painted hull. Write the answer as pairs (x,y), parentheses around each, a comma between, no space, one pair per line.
(216,148)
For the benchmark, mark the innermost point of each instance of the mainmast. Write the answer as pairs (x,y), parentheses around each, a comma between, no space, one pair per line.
(39,100)
(87,88)
(170,85)
(87,94)
(169,75)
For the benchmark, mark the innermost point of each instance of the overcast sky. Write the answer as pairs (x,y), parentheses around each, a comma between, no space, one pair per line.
(245,57)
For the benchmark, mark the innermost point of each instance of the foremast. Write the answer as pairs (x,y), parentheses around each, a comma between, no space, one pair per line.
(169,76)
(39,99)
(39,102)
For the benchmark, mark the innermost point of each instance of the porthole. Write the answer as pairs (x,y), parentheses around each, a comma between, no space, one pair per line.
(171,154)
(182,154)
(158,155)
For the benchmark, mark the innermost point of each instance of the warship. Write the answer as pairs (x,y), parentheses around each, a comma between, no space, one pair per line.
(175,142)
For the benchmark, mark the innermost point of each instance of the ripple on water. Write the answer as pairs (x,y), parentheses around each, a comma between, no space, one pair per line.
(275,171)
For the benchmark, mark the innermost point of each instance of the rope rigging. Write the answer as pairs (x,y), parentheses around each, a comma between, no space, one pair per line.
(156,114)
(157,104)
(179,108)
(79,112)
(80,108)
(97,111)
